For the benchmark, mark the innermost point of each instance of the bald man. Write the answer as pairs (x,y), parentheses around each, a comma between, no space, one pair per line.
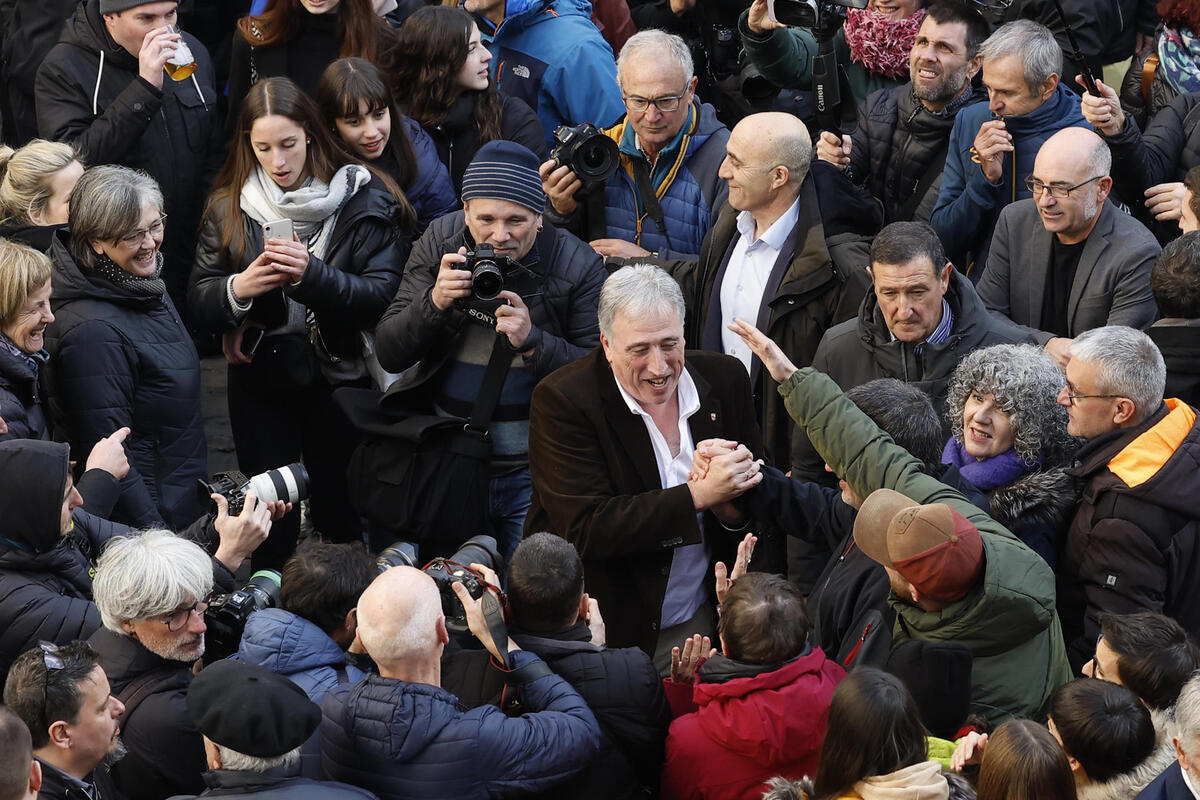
(400,735)
(1065,260)
(788,253)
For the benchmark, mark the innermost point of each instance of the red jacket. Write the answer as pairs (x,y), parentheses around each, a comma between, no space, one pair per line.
(747,730)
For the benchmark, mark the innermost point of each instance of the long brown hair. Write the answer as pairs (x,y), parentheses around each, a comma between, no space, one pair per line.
(431,51)
(323,157)
(361,30)
(1024,762)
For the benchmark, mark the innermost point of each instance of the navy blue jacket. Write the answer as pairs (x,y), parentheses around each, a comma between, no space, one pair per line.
(403,740)
(1167,786)
(431,192)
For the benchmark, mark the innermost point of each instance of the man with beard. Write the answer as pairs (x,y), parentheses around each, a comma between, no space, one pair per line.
(151,591)
(63,696)
(1065,261)
(898,149)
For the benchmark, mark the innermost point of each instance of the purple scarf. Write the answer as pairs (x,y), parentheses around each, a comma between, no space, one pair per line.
(991,472)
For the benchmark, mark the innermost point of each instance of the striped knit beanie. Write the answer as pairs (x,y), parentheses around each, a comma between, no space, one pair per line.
(503,170)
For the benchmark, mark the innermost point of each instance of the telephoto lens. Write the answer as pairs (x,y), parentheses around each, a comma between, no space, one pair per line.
(289,484)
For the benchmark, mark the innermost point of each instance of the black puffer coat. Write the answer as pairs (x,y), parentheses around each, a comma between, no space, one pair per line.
(20,399)
(117,360)
(457,136)
(1168,148)
(896,143)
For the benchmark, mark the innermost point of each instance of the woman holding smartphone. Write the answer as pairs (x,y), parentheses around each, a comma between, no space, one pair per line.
(316,294)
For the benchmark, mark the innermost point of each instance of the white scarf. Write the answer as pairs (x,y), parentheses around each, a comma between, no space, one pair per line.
(313,207)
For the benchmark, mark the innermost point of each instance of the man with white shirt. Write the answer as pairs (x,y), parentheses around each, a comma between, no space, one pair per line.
(611,440)
(788,252)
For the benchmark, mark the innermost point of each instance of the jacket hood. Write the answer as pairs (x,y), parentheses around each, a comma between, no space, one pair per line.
(72,283)
(525,13)
(1043,498)
(757,717)
(31,492)
(1129,784)
(86,30)
(1014,603)
(923,781)
(284,643)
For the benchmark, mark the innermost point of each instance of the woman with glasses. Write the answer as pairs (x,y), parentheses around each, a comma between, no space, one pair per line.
(119,355)
(297,311)
(1009,439)
(442,81)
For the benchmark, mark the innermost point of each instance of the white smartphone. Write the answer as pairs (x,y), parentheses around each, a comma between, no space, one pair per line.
(278,229)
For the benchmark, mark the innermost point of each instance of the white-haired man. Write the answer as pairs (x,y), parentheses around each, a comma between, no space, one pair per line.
(1066,260)
(151,590)
(1181,781)
(400,735)
(1133,543)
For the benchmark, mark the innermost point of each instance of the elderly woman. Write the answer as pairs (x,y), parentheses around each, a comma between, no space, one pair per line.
(119,355)
(1010,440)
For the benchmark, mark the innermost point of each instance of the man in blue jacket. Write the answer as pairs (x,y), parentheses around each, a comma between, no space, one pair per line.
(400,735)
(668,140)
(550,54)
(992,148)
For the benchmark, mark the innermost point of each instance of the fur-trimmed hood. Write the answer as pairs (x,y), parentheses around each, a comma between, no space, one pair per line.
(1129,784)
(1046,498)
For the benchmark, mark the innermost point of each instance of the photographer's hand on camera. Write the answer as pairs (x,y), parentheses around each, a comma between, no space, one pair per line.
(241,535)
(1104,112)
(452,282)
(829,149)
(513,321)
(560,185)
(157,47)
(759,19)
(476,620)
(108,454)
(991,143)
(290,258)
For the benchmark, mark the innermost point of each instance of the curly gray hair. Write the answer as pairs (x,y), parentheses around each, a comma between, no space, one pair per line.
(1025,382)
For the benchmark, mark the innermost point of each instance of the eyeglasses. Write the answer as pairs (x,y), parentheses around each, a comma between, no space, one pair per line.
(1036,187)
(1072,397)
(134,238)
(178,619)
(663,104)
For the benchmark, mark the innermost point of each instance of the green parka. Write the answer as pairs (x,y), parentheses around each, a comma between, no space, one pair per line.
(1009,623)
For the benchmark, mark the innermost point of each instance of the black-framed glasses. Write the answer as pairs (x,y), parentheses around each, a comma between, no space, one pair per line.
(1069,393)
(177,620)
(663,104)
(1036,187)
(134,238)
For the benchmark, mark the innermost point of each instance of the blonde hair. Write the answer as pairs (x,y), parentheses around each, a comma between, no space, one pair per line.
(25,177)
(23,271)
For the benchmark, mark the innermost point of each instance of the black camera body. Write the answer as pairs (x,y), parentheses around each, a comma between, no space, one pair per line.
(225,618)
(487,272)
(289,484)
(811,13)
(492,274)
(448,571)
(591,155)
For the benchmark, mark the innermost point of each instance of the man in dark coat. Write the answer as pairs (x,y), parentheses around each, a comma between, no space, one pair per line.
(611,444)
(63,696)
(1175,283)
(104,90)
(1133,543)
(1178,781)
(903,133)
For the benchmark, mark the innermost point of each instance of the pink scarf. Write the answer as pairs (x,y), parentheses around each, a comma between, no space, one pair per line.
(881,44)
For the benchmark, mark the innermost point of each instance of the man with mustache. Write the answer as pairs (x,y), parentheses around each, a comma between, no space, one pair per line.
(903,132)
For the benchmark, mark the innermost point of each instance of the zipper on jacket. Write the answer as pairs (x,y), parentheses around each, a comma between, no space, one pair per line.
(841,558)
(862,638)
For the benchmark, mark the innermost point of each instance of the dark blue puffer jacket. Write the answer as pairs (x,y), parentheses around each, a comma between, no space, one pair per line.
(431,192)
(289,645)
(692,199)
(403,740)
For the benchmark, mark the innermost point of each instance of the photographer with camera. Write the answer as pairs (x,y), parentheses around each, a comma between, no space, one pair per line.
(49,545)
(667,138)
(400,735)
(491,285)
(872,44)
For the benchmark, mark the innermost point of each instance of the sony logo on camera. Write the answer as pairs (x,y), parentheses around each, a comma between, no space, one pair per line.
(482,316)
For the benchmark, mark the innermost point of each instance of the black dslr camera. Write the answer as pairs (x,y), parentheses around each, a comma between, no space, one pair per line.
(225,618)
(289,484)
(810,13)
(492,274)
(591,155)
(448,571)
(487,272)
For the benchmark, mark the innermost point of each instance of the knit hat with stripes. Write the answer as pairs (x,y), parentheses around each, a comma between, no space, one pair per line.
(503,170)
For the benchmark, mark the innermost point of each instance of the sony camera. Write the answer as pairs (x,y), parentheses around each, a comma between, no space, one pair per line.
(448,571)
(289,484)
(591,155)
(809,13)
(225,618)
(487,272)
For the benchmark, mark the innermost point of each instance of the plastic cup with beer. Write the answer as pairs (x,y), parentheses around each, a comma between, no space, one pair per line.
(182,63)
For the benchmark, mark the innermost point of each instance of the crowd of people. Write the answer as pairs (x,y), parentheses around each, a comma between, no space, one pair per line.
(600,436)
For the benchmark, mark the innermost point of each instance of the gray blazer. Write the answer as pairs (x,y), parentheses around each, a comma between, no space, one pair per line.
(1112,281)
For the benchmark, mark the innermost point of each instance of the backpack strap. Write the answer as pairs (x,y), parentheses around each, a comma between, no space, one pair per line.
(1149,70)
(142,687)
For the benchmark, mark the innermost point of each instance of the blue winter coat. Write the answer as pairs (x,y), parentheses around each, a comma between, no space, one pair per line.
(404,740)
(289,645)
(968,205)
(550,54)
(692,199)
(431,191)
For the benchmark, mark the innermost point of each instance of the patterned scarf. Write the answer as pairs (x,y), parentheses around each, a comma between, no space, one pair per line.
(154,286)
(880,43)
(34,360)
(1179,58)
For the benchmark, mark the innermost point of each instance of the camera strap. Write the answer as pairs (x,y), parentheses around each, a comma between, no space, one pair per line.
(641,176)
(493,381)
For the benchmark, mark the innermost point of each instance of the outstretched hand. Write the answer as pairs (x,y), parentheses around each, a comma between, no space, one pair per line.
(724,577)
(686,660)
(779,365)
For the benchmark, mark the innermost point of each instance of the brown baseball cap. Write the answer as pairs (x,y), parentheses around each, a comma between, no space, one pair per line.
(936,549)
